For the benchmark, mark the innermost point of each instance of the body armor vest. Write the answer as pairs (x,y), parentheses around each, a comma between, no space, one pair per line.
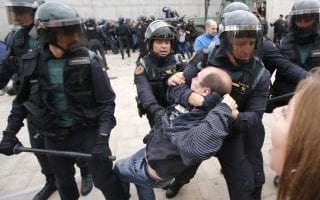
(290,51)
(244,77)
(158,70)
(77,88)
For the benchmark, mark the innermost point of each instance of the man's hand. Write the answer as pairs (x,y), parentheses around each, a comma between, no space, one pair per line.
(227,99)
(176,79)
(8,143)
(101,150)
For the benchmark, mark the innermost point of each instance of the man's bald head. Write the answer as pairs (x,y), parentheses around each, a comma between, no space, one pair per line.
(213,79)
(211,27)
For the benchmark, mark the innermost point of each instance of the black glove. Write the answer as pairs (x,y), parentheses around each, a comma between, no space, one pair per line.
(101,150)
(211,101)
(8,143)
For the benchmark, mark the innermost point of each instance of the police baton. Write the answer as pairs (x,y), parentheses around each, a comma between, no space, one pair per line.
(280,98)
(278,101)
(19,149)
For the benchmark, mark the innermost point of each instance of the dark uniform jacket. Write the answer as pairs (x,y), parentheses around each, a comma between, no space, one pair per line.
(289,48)
(151,78)
(88,91)
(22,41)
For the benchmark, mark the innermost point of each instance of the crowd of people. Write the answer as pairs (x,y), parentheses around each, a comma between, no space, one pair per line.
(204,94)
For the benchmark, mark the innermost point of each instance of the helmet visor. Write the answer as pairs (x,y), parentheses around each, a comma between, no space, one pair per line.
(250,35)
(13,11)
(154,26)
(59,23)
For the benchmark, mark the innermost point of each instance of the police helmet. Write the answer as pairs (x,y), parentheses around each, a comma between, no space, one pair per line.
(158,29)
(240,24)
(230,8)
(236,6)
(54,18)
(307,10)
(14,7)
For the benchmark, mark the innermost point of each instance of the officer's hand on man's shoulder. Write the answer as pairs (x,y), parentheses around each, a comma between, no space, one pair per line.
(176,79)
(8,143)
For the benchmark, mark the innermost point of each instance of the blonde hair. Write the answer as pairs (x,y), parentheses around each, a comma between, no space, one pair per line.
(300,178)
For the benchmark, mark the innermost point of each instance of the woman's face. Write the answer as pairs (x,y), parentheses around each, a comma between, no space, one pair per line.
(279,135)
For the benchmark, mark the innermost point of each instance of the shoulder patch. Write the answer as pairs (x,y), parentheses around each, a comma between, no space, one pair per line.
(139,70)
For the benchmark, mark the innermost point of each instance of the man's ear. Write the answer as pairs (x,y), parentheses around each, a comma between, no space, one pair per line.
(206,91)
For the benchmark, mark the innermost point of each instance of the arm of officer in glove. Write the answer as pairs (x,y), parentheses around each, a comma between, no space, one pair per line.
(101,150)
(104,97)
(15,122)
(144,89)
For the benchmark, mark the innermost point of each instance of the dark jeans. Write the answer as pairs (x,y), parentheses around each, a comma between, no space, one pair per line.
(133,170)
(82,140)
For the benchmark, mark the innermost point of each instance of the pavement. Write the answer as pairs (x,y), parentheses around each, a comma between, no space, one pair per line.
(21,178)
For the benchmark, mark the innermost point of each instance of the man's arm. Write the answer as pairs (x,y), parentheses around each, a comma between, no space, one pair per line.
(204,139)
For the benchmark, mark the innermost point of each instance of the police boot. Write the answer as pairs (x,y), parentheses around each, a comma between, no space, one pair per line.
(173,189)
(46,191)
(86,184)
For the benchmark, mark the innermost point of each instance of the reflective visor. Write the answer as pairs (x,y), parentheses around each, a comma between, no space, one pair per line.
(12,11)
(59,23)
(243,28)
(21,4)
(307,11)
(154,26)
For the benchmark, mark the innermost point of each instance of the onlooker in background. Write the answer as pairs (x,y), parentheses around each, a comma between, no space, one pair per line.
(210,37)
(182,42)
(295,141)
(279,30)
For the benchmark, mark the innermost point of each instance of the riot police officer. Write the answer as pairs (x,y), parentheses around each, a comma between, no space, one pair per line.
(123,33)
(68,99)
(240,156)
(302,44)
(154,69)
(23,40)
(95,40)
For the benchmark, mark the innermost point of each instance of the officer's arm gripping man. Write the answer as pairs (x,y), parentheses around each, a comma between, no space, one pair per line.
(144,90)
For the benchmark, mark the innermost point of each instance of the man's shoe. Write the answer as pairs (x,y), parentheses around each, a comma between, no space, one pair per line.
(173,189)
(48,189)
(86,184)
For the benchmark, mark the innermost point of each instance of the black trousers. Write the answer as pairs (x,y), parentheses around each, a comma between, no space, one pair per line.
(37,141)
(242,164)
(124,43)
(82,140)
